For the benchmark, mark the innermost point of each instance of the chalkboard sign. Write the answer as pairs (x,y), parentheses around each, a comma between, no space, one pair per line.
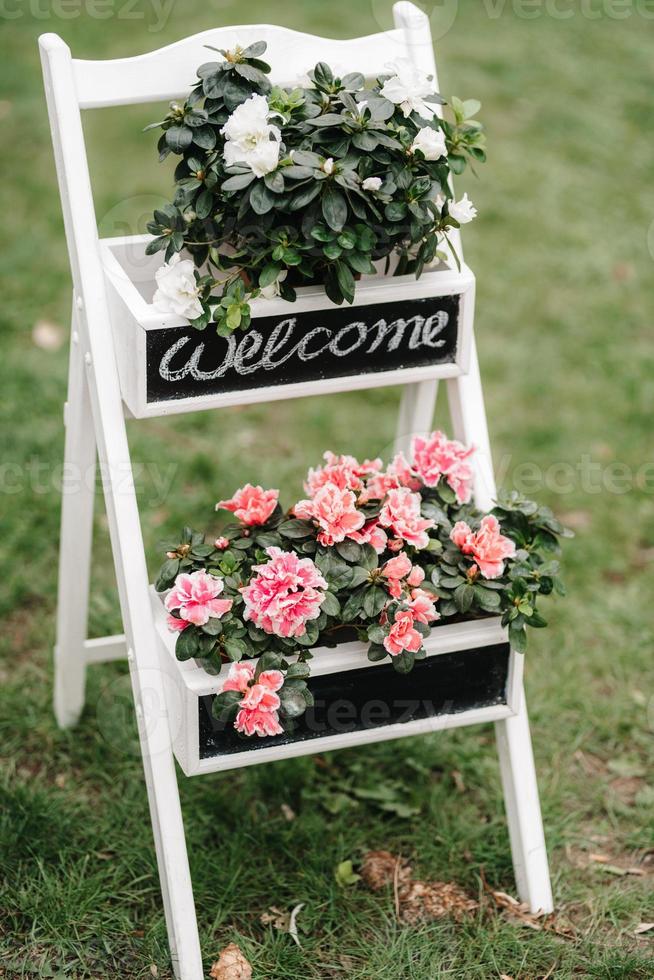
(373,697)
(309,346)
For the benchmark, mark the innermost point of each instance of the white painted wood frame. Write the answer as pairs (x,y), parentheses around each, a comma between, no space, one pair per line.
(95,417)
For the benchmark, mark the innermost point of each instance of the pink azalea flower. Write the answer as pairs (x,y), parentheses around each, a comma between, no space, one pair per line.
(422,607)
(334,511)
(257,713)
(175,624)
(403,636)
(487,546)
(401,513)
(438,456)
(221,543)
(285,594)
(251,505)
(397,474)
(195,596)
(417,576)
(395,570)
(346,472)
(372,534)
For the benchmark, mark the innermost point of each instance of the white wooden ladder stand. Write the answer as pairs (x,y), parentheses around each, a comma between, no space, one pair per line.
(99,397)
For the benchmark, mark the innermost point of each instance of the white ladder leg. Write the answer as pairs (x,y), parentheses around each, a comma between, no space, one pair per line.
(78,494)
(523,814)
(513,736)
(96,343)
(416,413)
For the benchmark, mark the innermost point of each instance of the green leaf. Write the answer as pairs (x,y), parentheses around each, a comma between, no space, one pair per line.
(334,208)
(178,138)
(376,653)
(187,645)
(295,528)
(463,597)
(292,702)
(488,599)
(298,670)
(255,49)
(225,704)
(269,274)
(261,199)
(404,661)
(518,638)
(213,627)
(345,875)
(330,604)
(235,648)
(349,550)
(374,601)
(238,182)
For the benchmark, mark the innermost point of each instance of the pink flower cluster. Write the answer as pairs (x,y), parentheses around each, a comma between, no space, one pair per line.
(345,472)
(403,634)
(399,571)
(285,594)
(401,516)
(258,709)
(251,505)
(334,510)
(195,597)
(436,457)
(487,546)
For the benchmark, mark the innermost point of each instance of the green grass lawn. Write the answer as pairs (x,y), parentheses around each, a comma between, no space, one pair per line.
(564,323)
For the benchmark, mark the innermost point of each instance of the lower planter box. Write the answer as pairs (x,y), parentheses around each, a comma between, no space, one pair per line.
(470,675)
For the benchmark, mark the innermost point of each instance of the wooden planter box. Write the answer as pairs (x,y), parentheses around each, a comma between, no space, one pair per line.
(470,675)
(399,330)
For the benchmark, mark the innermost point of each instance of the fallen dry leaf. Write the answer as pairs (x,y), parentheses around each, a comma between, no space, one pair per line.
(426,900)
(591,764)
(231,965)
(643,927)
(613,869)
(415,901)
(599,858)
(287,812)
(292,924)
(522,914)
(275,917)
(48,336)
(379,869)
(284,921)
(154,970)
(457,779)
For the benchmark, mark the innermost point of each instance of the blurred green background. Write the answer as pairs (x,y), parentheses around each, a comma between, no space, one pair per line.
(563,250)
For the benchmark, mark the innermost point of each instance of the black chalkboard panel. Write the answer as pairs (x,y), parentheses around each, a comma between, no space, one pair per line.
(309,346)
(357,700)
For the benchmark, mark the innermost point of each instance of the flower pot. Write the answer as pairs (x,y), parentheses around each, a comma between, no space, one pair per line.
(469,675)
(398,330)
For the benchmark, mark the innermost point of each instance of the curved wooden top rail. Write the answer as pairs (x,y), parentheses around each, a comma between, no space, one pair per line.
(169,72)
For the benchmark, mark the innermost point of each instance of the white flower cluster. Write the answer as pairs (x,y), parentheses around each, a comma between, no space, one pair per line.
(250,137)
(177,291)
(408,87)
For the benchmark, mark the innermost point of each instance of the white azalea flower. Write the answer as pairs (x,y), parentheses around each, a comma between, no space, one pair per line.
(177,291)
(430,142)
(408,88)
(372,183)
(463,211)
(328,165)
(273,290)
(250,138)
